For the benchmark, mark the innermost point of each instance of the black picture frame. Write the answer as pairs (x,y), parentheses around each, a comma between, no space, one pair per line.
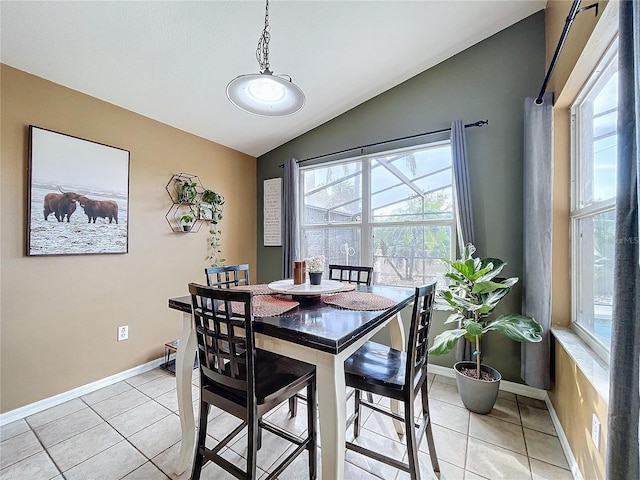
(78,196)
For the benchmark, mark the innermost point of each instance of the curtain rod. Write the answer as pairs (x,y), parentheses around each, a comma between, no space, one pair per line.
(573,13)
(479,123)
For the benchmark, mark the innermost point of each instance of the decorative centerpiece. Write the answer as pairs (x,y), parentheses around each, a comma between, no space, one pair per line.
(315,267)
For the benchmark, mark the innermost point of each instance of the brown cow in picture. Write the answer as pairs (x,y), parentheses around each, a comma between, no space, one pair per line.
(60,204)
(99,208)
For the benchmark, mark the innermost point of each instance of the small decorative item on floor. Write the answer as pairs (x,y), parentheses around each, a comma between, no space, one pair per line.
(315,267)
(299,269)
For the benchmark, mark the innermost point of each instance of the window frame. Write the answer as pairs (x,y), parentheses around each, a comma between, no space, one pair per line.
(366,223)
(581,210)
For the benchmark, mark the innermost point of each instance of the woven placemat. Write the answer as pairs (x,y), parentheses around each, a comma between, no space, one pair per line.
(264,306)
(358,301)
(259,289)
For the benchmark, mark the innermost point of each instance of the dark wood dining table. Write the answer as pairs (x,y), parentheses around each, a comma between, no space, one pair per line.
(313,332)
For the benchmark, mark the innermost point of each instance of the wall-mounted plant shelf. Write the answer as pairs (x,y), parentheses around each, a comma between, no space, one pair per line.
(185,191)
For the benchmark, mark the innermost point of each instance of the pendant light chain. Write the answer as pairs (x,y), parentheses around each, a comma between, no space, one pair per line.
(262,52)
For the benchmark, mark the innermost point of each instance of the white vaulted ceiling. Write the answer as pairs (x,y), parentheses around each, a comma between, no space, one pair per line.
(171,61)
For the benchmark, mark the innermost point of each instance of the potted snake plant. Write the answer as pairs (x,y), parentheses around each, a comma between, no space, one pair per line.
(473,293)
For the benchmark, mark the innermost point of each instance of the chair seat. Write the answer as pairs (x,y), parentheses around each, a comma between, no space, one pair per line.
(275,375)
(374,365)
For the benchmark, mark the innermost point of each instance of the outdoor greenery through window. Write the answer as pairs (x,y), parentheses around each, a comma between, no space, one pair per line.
(594,123)
(393,210)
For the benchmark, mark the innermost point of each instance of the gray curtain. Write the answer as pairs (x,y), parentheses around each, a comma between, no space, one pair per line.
(290,231)
(464,350)
(624,397)
(538,212)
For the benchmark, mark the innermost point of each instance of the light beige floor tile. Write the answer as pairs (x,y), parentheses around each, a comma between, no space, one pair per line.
(472,476)
(35,467)
(280,417)
(491,461)
(165,461)
(158,436)
(506,410)
(148,471)
(498,432)
(170,398)
(507,396)
(299,468)
(547,448)
(537,419)
(273,447)
(443,379)
(54,413)
(532,402)
(449,416)
(106,392)
(222,425)
(18,448)
(115,462)
(378,443)
(139,417)
(451,446)
(379,423)
(158,386)
(448,471)
(352,472)
(445,393)
(544,471)
(146,377)
(12,429)
(83,446)
(120,403)
(67,427)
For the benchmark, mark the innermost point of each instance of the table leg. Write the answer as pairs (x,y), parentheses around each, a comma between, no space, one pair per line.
(184,370)
(333,416)
(396,332)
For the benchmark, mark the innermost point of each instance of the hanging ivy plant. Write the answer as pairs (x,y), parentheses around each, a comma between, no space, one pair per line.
(211,207)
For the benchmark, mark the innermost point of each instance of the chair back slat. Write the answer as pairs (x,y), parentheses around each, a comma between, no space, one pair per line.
(227,276)
(225,339)
(418,354)
(351,274)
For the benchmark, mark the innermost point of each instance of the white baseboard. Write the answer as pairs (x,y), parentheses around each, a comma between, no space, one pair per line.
(41,405)
(530,392)
(564,441)
(512,387)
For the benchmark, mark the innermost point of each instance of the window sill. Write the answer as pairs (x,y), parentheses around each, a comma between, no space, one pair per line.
(590,364)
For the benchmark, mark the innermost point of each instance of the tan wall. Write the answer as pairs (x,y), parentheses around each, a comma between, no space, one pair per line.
(573,397)
(574,401)
(60,314)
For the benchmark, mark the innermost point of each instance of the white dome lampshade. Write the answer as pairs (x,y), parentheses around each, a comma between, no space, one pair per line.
(265,94)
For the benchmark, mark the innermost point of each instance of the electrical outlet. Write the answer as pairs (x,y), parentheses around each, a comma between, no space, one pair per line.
(595,431)
(123,332)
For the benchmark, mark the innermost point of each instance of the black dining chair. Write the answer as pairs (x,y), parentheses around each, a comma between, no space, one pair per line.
(351,274)
(399,376)
(227,276)
(343,273)
(245,381)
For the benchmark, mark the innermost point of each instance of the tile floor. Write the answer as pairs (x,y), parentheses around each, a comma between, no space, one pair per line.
(130,430)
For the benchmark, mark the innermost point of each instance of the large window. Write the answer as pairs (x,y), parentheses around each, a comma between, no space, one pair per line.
(392,210)
(594,123)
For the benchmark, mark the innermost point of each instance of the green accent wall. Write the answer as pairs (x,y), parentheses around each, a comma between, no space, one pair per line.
(489,80)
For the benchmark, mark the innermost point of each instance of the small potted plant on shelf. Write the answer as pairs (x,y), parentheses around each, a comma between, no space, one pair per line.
(473,293)
(187,218)
(315,267)
(187,190)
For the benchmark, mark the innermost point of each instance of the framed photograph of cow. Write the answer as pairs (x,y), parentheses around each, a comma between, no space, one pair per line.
(78,196)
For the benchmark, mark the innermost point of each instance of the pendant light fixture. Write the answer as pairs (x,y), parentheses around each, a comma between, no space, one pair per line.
(264,93)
